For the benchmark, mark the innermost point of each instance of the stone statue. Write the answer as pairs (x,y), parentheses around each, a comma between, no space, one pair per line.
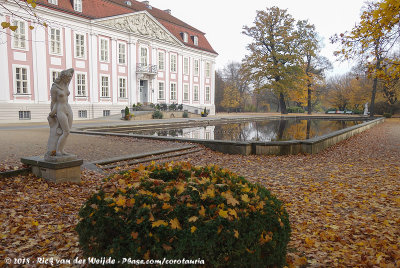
(60,117)
(366,108)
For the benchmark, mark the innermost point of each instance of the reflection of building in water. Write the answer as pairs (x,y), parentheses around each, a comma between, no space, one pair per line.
(202,133)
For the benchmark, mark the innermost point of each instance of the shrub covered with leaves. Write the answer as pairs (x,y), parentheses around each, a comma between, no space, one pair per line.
(185,114)
(295,109)
(157,115)
(179,211)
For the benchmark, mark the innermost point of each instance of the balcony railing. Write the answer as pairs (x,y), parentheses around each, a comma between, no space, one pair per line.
(146,69)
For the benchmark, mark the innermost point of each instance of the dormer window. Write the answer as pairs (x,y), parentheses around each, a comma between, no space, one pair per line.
(54,2)
(195,40)
(185,37)
(78,5)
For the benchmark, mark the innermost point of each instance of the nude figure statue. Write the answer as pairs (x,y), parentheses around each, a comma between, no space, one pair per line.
(60,117)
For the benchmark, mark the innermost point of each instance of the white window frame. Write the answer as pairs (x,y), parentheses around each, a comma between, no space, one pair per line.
(28,89)
(120,78)
(51,74)
(81,113)
(102,87)
(159,90)
(121,54)
(78,5)
(196,67)
(196,94)
(195,40)
(186,92)
(186,65)
(207,69)
(76,84)
(161,60)
(51,52)
(173,63)
(80,45)
(207,95)
(18,37)
(173,94)
(104,53)
(53,2)
(144,59)
(185,37)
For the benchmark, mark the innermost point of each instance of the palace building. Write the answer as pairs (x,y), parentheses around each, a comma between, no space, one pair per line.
(124,52)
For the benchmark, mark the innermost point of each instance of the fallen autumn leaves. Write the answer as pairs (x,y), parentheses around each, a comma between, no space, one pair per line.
(344,203)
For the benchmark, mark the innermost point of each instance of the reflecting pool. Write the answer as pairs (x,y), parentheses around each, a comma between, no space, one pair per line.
(265,130)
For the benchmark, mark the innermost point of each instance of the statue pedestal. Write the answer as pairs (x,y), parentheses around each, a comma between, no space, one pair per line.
(56,168)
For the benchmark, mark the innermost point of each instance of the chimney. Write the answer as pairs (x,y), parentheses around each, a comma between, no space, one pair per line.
(146,2)
(168,11)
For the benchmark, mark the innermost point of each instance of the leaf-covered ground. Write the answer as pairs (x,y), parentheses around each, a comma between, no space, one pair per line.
(344,203)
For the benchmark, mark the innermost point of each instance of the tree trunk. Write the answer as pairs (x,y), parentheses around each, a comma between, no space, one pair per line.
(309,98)
(372,107)
(282,103)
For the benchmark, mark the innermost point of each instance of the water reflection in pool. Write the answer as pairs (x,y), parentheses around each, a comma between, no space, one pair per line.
(268,130)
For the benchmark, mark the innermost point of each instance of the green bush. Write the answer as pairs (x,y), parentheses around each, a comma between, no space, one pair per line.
(387,115)
(295,109)
(180,107)
(185,114)
(178,211)
(173,107)
(157,115)
(357,111)
(127,114)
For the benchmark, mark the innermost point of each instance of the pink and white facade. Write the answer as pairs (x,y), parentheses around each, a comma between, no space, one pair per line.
(138,55)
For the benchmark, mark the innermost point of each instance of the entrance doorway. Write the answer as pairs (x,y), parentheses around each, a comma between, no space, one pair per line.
(144,88)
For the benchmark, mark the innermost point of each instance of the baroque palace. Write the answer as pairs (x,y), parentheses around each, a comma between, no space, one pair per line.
(124,52)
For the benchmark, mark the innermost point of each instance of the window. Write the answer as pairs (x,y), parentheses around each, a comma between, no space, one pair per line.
(79,45)
(208,70)
(143,56)
(82,113)
(54,2)
(196,67)
(105,87)
(186,92)
(208,94)
(122,87)
(103,50)
(186,66)
(173,91)
(208,135)
(173,63)
(106,112)
(54,75)
(78,5)
(195,40)
(81,85)
(121,53)
(24,115)
(21,80)
(55,41)
(196,93)
(161,60)
(19,35)
(185,37)
(161,91)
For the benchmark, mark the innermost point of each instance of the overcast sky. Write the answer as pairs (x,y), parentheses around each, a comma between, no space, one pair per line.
(222,21)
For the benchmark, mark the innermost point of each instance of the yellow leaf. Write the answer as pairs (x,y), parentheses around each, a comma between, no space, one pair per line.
(5,24)
(246,189)
(159,223)
(265,237)
(193,229)
(220,228)
(175,224)
(309,242)
(166,247)
(147,255)
(223,213)
(31,27)
(193,219)
(121,200)
(130,202)
(13,28)
(306,199)
(166,206)
(180,187)
(236,233)
(134,235)
(35,223)
(33,5)
(231,200)
(202,211)
(232,212)
(245,198)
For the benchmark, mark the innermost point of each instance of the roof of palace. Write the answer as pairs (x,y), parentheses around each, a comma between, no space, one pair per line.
(98,9)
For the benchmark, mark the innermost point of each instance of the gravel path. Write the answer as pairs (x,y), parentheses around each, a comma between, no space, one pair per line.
(15,144)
